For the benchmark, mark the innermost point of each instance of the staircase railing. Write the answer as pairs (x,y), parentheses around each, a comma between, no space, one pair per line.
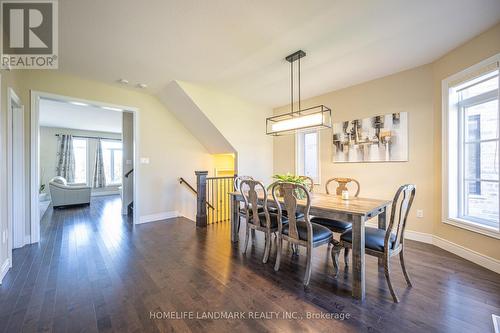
(213,191)
(183,181)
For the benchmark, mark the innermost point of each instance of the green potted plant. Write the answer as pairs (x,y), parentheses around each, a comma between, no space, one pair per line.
(290,178)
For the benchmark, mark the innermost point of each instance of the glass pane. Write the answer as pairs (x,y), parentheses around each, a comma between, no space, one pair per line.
(106,154)
(80,149)
(481,204)
(117,172)
(481,160)
(311,155)
(482,121)
(480,88)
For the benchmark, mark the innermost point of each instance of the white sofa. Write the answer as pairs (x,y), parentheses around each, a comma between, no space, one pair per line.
(63,194)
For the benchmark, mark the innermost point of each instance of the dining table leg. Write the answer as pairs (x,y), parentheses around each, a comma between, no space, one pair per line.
(382,218)
(358,257)
(234,219)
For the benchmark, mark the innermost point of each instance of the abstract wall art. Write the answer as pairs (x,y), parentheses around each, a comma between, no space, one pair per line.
(381,138)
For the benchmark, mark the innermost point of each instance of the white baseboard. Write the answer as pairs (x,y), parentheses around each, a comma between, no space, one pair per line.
(157,217)
(473,256)
(103,193)
(459,250)
(4,269)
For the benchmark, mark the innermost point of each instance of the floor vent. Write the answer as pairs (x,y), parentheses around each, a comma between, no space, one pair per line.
(496,323)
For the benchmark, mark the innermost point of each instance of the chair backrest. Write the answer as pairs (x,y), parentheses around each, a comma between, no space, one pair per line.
(309,182)
(248,189)
(289,192)
(238,180)
(342,185)
(399,213)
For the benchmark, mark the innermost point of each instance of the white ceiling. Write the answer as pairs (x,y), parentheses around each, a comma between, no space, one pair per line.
(239,45)
(89,118)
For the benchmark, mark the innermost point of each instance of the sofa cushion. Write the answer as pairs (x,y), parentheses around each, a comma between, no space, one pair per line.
(59,180)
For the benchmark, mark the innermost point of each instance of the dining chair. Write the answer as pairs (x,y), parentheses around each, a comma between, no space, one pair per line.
(381,243)
(309,182)
(297,232)
(261,221)
(336,225)
(237,188)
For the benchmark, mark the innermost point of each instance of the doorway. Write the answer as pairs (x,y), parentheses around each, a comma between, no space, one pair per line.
(110,150)
(16,172)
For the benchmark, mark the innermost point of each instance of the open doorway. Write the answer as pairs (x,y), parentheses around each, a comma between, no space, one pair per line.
(82,150)
(16,172)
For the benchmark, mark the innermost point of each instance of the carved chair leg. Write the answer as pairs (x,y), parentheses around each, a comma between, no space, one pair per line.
(267,248)
(247,234)
(388,278)
(346,256)
(296,249)
(307,277)
(403,267)
(335,258)
(278,254)
(253,236)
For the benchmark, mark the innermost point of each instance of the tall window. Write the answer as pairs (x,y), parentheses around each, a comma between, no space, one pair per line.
(112,155)
(472,148)
(307,152)
(80,150)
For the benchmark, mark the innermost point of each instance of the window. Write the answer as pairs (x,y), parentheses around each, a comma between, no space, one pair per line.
(80,150)
(307,152)
(471,139)
(112,155)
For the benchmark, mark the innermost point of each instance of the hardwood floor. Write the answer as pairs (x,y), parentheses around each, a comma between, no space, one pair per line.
(94,271)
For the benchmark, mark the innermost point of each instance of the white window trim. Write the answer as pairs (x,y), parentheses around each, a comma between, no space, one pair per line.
(114,184)
(87,166)
(457,222)
(297,153)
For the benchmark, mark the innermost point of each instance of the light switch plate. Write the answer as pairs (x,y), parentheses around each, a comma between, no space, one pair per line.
(144,160)
(420,213)
(128,162)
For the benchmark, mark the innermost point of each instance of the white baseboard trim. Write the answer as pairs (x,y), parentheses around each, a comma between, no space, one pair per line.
(103,193)
(459,250)
(4,269)
(473,256)
(158,217)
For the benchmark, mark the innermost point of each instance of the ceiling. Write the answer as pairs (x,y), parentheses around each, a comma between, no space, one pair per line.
(239,46)
(89,118)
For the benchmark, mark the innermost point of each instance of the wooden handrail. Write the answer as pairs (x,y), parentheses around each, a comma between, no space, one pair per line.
(183,181)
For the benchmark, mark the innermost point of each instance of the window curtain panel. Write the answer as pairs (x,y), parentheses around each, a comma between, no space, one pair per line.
(65,166)
(99,179)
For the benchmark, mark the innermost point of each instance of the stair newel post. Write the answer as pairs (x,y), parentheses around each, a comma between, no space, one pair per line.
(201,198)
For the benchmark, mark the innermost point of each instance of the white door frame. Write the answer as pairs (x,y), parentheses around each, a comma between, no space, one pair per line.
(15,228)
(35,153)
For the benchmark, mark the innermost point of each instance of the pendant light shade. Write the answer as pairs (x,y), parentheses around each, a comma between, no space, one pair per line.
(319,116)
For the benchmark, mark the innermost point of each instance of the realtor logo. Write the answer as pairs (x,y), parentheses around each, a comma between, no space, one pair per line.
(29,35)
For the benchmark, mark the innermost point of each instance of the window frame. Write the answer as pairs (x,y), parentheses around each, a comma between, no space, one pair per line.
(87,161)
(112,164)
(449,172)
(299,152)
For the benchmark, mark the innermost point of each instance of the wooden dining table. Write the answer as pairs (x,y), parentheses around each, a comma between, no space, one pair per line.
(354,210)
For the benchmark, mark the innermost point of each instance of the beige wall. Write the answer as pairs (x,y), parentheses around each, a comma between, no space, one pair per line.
(408,91)
(418,92)
(172,150)
(243,126)
(472,52)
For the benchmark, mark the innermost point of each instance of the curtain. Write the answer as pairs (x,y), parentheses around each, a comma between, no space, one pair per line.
(99,179)
(66,158)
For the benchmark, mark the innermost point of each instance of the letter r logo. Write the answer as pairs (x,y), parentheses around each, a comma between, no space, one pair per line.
(27,27)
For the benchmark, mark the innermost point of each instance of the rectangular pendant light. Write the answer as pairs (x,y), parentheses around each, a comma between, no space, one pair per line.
(288,123)
(318,116)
